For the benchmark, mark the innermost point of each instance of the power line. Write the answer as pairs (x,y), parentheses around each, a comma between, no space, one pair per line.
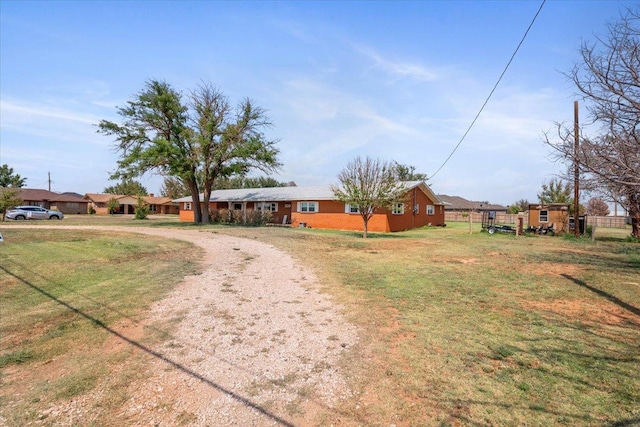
(492,90)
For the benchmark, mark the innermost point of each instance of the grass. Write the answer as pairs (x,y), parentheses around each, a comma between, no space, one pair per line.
(60,292)
(484,330)
(456,328)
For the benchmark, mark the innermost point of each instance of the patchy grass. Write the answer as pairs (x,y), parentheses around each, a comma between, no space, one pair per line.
(478,329)
(457,328)
(62,295)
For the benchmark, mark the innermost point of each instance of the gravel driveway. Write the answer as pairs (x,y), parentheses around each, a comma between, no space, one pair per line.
(252,342)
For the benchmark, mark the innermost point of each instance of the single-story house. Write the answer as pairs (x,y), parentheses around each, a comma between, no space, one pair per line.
(318,207)
(157,205)
(67,203)
(460,204)
(556,214)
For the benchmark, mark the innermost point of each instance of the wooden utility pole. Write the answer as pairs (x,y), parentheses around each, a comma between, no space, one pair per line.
(576,173)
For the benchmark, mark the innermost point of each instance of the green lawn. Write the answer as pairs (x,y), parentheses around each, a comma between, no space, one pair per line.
(456,328)
(479,329)
(62,293)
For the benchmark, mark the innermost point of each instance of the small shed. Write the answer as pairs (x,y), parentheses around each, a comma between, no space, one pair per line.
(548,214)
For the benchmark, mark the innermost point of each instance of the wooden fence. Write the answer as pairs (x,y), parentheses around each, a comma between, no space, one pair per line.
(607,221)
(501,218)
(504,218)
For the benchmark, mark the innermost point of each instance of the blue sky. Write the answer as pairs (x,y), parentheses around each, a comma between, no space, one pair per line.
(394,80)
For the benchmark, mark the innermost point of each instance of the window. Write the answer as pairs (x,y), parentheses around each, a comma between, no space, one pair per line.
(308,207)
(351,209)
(237,206)
(544,216)
(397,209)
(269,207)
(153,208)
(187,206)
(431,210)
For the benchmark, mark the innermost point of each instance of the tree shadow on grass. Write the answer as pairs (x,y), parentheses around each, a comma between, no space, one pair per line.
(273,417)
(617,301)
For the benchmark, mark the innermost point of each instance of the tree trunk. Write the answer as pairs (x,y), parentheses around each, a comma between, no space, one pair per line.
(366,222)
(195,197)
(634,213)
(206,196)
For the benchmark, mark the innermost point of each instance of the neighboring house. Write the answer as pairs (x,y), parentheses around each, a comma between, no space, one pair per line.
(556,214)
(127,204)
(317,207)
(459,204)
(67,203)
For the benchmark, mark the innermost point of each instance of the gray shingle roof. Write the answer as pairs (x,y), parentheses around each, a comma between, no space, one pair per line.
(270,194)
(275,194)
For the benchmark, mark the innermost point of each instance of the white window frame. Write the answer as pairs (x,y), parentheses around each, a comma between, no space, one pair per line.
(351,209)
(187,206)
(545,216)
(397,208)
(266,206)
(431,210)
(305,206)
(153,208)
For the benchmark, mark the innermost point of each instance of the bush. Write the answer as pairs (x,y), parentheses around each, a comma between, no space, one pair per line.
(142,209)
(250,217)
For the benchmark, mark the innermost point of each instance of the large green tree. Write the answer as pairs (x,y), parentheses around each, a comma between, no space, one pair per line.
(369,184)
(10,179)
(230,141)
(154,136)
(128,187)
(200,138)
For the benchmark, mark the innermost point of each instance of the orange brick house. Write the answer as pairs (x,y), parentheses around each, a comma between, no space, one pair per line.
(317,207)
(157,205)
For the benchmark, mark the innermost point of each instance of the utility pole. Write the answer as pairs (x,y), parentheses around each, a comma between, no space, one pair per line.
(576,173)
(49,174)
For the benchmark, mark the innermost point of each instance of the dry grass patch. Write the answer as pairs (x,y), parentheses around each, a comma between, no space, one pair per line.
(475,329)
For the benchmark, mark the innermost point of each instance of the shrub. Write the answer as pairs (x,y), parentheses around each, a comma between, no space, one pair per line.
(142,209)
(237,217)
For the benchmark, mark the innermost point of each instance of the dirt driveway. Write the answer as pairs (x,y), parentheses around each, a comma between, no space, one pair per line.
(249,342)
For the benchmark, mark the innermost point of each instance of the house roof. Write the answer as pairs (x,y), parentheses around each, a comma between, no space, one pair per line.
(39,195)
(283,194)
(104,198)
(459,203)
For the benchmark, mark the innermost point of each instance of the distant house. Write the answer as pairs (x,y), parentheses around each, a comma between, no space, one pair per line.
(317,207)
(459,204)
(556,214)
(67,203)
(126,204)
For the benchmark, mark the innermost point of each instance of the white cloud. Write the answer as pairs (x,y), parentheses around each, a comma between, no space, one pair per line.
(399,69)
